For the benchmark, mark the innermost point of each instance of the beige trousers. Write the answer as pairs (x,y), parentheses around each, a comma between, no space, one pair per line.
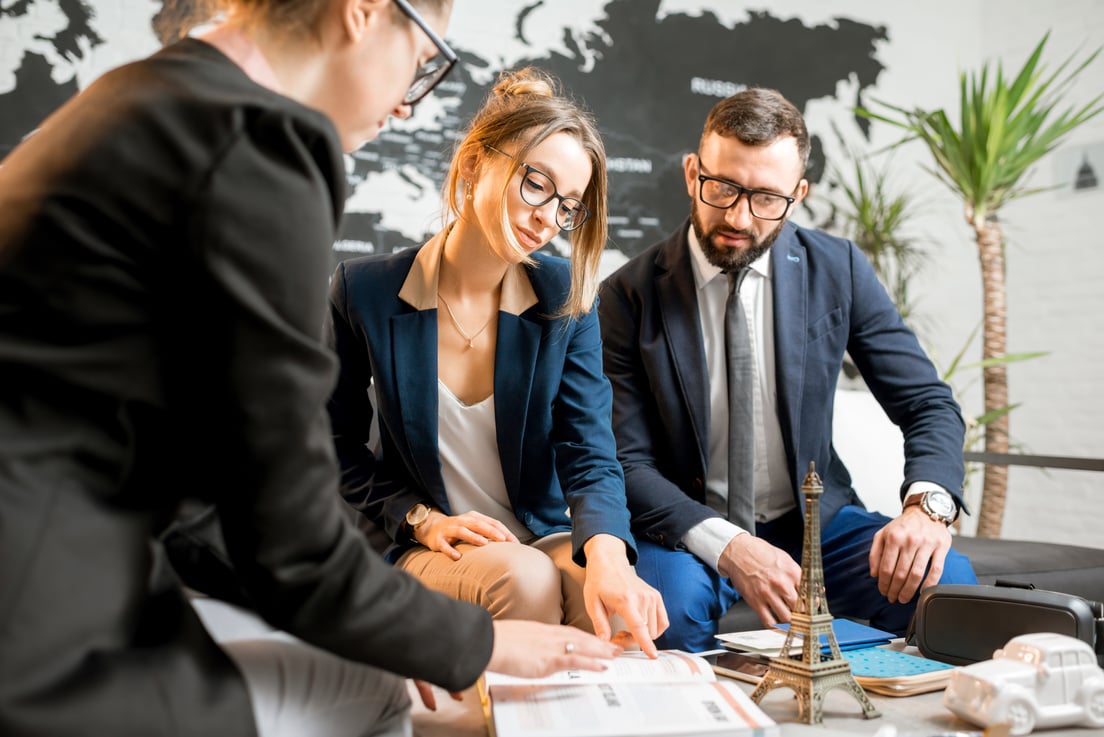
(537,581)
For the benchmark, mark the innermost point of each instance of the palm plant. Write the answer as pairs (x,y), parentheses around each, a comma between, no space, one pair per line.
(1005,126)
(877,218)
(975,426)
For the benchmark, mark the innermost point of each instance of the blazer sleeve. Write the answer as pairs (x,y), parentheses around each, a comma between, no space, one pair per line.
(586,457)
(261,258)
(905,382)
(659,508)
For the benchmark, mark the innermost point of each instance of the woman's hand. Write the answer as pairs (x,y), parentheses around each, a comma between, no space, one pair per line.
(440,531)
(612,587)
(532,649)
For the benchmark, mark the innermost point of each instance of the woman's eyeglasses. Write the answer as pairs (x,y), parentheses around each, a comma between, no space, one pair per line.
(538,189)
(433,71)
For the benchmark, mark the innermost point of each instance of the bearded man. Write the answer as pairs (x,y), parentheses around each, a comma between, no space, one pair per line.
(724,345)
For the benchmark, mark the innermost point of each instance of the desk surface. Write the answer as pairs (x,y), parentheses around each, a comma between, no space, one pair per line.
(913,716)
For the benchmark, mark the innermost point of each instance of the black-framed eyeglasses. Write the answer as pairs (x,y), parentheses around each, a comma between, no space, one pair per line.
(538,189)
(433,71)
(723,194)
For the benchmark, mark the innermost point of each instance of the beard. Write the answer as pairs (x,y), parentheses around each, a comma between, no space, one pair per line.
(730,259)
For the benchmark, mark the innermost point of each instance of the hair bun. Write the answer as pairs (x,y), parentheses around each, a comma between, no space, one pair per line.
(527,81)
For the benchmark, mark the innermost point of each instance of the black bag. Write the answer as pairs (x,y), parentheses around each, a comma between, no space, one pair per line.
(963,623)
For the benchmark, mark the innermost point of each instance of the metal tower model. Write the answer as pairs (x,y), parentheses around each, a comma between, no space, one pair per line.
(812,674)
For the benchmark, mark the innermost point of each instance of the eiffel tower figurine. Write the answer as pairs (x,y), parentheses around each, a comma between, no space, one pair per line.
(811,674)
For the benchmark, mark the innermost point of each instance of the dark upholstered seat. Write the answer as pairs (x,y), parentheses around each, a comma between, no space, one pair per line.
(1069,569)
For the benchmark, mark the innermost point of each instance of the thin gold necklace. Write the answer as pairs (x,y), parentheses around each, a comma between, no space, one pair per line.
(456,323)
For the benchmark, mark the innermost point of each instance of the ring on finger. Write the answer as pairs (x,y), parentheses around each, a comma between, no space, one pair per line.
(569,648)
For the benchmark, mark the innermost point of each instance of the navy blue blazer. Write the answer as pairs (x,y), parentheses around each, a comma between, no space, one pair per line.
(552,404)
(827,300)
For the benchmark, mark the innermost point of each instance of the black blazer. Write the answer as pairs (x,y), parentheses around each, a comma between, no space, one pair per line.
(827,300)
(165,243)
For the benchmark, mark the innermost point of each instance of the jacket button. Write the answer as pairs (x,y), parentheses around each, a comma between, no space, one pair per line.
(698,484)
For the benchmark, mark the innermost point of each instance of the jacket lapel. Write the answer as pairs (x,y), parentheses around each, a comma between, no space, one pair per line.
(519,340)
(791,315)
(414,360)
(678,307)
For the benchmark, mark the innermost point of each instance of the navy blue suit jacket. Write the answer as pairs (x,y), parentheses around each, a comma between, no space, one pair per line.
(552,405)
(827,300)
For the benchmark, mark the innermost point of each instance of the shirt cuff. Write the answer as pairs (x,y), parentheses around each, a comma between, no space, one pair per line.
(919,487)
(710,537)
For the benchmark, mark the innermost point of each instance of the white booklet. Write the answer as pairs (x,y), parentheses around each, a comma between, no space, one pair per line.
(768,641)
(677,695)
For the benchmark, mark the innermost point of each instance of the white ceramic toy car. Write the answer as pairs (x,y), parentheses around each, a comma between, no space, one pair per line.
(1042,679)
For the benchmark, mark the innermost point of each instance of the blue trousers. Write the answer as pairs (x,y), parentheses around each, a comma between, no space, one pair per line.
(696,596)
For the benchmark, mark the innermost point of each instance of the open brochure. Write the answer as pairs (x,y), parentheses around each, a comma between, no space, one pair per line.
(676,695)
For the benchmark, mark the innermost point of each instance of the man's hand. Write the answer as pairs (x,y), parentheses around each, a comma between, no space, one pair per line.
(766,577)
(612,587)
(440,531)
(904,549)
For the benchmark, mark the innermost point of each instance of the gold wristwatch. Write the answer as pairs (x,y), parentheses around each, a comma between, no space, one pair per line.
(417,517)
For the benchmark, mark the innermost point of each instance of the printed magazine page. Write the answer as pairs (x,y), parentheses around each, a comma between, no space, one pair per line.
(677,695)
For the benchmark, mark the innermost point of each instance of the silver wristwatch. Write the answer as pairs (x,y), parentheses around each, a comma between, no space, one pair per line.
(937,504)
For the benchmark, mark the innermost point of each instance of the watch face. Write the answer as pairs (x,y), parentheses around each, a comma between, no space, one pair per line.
(417,515)
(940,504)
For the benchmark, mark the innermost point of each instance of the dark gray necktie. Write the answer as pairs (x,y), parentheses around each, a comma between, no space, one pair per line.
(741,417)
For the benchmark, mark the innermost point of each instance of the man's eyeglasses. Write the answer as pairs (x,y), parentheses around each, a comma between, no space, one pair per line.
(433,71)
(723,194)
(538,189)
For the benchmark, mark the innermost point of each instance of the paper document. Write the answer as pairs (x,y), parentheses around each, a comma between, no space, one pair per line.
(677,695)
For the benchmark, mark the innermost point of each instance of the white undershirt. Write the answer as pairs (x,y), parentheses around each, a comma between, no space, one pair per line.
(470,463)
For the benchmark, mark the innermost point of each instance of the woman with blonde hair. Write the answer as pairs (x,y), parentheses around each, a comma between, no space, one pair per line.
(165,243)
(479,359)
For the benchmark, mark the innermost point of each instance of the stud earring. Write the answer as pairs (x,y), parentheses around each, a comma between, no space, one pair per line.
(468,195)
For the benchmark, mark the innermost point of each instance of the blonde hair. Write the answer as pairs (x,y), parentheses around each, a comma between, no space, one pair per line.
(524,108)
(294,17)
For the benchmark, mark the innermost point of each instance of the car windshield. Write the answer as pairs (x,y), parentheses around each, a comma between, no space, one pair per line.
(1025,653)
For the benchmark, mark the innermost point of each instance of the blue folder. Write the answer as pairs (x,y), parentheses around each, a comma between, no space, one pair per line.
(851,635)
